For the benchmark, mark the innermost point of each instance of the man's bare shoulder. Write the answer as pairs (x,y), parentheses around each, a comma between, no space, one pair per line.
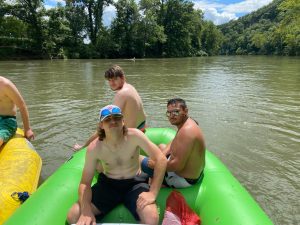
(5,87)
(123,94)
(126,90)
(4,82)
(190,129)
(95,146)
(135,135)
(134,132)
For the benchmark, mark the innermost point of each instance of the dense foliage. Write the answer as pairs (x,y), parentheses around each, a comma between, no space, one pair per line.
(149,28)
(271,30)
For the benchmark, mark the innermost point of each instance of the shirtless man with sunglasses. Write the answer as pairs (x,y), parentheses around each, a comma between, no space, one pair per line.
(186,153)
(117,148)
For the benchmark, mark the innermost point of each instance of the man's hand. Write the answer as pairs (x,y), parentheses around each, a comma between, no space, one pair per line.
(29,134)
(151,163)
(77,147)
(145,198)
(86,219)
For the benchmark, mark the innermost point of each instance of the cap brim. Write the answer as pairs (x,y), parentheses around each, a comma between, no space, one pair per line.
(114,115)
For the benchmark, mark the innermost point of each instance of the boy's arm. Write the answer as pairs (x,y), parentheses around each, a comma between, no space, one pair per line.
(13,93)
(78,147)
(159,168)
(84,190)
(181,150)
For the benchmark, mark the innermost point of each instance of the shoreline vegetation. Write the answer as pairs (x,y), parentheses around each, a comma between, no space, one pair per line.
(148,29)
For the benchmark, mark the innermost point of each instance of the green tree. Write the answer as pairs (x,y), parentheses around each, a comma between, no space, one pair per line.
(77,20)
(20,29)
(289,27)
(57,33)
(196,33)
(178,28)
(30,12)
(124,29)
(273,29)
(259,41)
(11,27)
(151,32)
(13,37)
(211,38)
(93,10)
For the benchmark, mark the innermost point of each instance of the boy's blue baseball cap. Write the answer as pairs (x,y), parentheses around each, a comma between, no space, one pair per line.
(109,110)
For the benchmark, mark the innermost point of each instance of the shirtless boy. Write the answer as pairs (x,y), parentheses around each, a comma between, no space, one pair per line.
(10,100)
(117,148)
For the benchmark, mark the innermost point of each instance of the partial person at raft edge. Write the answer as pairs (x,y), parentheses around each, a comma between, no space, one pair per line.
(117,148)
(186,153)
(10,100)
(127,98)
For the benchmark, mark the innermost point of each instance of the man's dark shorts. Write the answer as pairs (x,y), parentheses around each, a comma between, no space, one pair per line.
(107,193)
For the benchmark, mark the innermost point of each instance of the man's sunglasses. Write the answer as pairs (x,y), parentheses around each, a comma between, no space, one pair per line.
(175,112)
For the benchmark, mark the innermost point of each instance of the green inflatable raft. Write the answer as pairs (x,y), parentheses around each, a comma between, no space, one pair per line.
(220,199)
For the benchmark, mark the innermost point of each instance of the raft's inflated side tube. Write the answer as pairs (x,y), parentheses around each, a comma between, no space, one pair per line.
(20,168)
(220,199)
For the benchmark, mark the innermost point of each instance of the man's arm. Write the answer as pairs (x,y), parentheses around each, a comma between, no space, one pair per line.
(159,169)
(13,93)
(165,149)
(180,150)
(78,147)
(84,190)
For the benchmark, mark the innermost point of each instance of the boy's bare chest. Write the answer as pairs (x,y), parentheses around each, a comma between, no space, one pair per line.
(6,105)
(119,155)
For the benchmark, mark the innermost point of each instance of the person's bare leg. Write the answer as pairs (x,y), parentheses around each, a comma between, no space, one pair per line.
(164,149)
(74,213)
(149,215)
(162,146)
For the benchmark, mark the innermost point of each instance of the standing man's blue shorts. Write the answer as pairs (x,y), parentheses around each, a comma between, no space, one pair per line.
(8,127)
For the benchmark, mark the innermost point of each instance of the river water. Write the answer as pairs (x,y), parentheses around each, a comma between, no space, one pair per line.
(248,108)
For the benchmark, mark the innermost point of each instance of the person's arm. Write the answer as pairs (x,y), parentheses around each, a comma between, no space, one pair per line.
(78,147)
(180,151)
(84,190)
(159,169)
(165,149)
(13,93)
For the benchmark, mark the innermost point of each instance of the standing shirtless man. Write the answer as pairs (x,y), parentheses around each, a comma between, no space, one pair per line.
(127,98)
(117,148)
(10,100)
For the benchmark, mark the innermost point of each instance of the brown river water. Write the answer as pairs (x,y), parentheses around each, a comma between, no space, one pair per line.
(248,108)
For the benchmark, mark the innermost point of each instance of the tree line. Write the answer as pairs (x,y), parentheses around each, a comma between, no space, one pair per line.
(149,28)
(271,30)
